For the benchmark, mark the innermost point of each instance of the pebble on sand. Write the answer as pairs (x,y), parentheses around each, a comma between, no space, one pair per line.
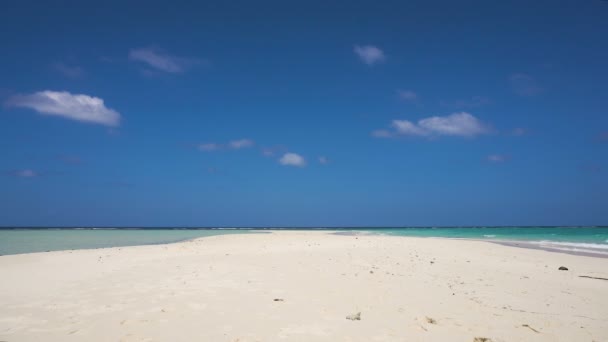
(355,317)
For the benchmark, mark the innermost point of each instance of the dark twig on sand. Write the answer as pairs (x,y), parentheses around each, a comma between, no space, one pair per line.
(590,277)
(529,327)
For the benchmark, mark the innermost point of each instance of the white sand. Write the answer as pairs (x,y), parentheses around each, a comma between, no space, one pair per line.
(223,289)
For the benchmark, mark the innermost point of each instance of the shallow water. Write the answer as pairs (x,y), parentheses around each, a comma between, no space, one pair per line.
(17,241)
(578,240)
(582,240)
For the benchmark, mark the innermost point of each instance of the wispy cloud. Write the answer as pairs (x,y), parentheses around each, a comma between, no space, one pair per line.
(71,160)
(25,173)
(77,107)
(460,124)
(382,133)
(603,137)
(292,159)
(323,160)
(232,145)
(407,95)
(519,131)
(524,85)
(70,71)
(269,151)
(497,158)
(369,54)
(241,143)
(162,61)
(592,167)
(207,147)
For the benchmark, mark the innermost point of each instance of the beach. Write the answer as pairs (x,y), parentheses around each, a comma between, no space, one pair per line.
(304,286)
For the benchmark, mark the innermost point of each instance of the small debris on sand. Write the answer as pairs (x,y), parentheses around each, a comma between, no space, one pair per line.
(431,320)
(355,317)
(278,300)
(590,277)
(563,268)
(482,339)
(529,327)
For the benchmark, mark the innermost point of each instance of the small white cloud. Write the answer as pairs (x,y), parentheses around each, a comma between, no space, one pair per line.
(323,160)
(78,107)
(407,95)
(497,158)
(458,124)
(370,54)
(242,143)
(27,173)
(524,85)
(292,159)
(162,61)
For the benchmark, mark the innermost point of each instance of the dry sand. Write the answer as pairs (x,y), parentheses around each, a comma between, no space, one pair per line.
(301,286)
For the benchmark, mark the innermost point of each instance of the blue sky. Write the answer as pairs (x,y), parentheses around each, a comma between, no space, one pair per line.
(304,114)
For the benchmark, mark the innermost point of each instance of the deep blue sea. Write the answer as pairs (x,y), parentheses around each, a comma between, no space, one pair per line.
(27,240)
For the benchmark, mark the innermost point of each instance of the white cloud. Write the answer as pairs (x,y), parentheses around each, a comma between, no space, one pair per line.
(323,160)
(524,85)
(162,61)
(496,158)
(408,128)
(292,159)
(407,95)
(369,54)
(71,106)
(458,124)
(242,143)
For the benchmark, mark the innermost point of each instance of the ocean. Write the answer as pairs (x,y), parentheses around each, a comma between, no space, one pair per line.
(579,240)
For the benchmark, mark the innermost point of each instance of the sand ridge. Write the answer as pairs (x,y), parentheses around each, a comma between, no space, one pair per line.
(302,286)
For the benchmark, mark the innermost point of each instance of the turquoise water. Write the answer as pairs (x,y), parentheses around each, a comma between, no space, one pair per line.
(17,241)
(597,235)
(592,240)
(567,239)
